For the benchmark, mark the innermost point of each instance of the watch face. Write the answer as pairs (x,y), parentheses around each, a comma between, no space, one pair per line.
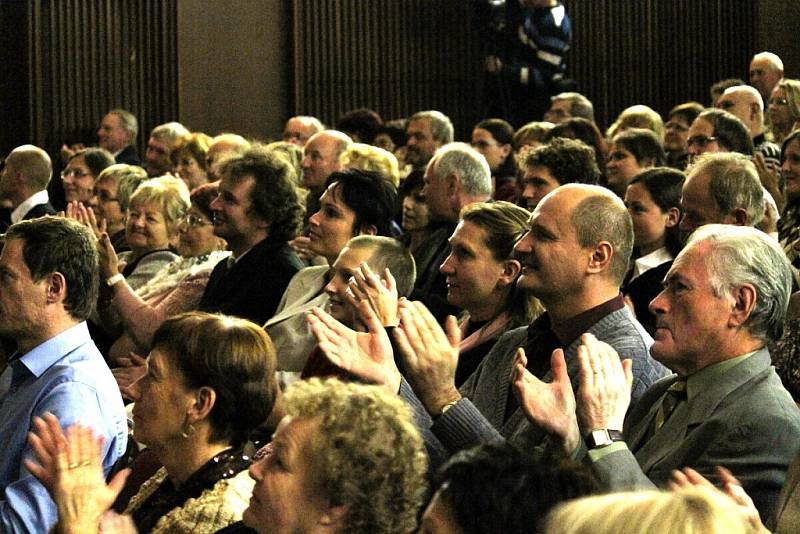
(600,438)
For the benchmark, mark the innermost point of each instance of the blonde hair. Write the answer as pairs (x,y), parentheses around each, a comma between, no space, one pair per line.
(638,116)
(168,193)
(371,158)
(696,510)
(367,453)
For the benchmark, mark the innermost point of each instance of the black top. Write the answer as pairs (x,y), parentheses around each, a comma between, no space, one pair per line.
(253,286)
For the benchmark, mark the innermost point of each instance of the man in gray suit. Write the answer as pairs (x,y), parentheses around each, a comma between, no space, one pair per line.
(725,296)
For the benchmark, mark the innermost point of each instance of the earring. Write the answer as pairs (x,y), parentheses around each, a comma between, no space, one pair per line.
(190,430)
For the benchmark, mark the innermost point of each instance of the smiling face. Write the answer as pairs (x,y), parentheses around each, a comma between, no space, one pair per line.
(701,139)
(779,112)
(162,403)
(78,181)
(473,274)
(691,321)
(21,299)
(553,261)
(108,208)
(157,157)
(146,228)
(286,498)
(790,171)
(320,159)
(189,170)
(234,220)
(345,266)
(332,226)
(196,234)
(111,134)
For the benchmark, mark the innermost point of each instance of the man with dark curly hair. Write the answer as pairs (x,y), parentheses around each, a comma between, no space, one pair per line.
(257,211)
(563,161)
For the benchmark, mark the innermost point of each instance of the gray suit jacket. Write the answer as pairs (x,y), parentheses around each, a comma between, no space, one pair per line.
(745,421)
(288,328)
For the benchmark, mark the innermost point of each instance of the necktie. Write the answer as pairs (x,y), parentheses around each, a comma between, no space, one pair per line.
(675,394)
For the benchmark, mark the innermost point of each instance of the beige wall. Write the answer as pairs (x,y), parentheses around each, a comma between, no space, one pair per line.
(233,72)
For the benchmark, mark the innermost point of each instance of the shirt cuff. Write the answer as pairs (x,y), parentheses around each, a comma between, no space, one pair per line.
(596,454)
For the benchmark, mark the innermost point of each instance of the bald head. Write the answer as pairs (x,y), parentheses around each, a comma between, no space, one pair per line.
(298,130)
(745,103)
(27,171)
(766,70)
(321,157)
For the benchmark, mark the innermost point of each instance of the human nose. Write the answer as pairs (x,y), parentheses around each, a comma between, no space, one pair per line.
(524,245)
(256,470)
(447,265)
(306,163)
(657,305)
(314,219)
(215,204)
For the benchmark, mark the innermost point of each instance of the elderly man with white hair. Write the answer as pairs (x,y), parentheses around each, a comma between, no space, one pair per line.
(725,296)
(746,103)
(766,70)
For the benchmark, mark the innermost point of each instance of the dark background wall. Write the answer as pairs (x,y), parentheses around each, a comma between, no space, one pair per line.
(246,66)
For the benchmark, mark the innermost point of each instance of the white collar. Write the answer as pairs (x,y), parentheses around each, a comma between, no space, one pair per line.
(22,210)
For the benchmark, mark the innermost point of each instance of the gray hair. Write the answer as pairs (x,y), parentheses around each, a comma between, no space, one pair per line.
(733,184)
(468,164)
(742,255)
(128,121)
(441,127)
(579,105)
(308,120)
(750,90)
(773,59)
(169,132)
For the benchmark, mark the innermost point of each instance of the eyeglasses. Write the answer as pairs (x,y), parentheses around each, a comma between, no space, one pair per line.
(779,101)
(104,198)
(700,141)
(75,173)
(193,220)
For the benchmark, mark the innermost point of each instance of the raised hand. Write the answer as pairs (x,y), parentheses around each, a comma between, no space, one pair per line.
(430,355)
(731,486)
(549,406)
(70,467)
(605,386)
(367,355)
(380,293)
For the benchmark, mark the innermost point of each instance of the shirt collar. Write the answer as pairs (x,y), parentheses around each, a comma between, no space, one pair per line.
(648,261)
(20,211)
(39,359)
(708,375)
(571,329)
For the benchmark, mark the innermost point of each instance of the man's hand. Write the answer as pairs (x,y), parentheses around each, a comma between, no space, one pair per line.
(605,386)
(430,355)
(367,355)
(549,406)
(380,293)
(731,487)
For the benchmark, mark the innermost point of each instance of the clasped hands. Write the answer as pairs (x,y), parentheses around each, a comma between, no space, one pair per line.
(602,398)
(430,354)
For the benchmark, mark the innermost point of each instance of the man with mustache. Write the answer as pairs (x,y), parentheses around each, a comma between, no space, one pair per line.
(427,131)
(725,296)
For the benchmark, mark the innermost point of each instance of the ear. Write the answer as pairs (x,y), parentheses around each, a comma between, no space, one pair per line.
(739,216)
(56,288)
(744,300)
(511,270)
(369,230)
(647,163)
(506,150)
(204,400)
(600,258)
(673,217)
(333,518)
(453,184)
(754,111)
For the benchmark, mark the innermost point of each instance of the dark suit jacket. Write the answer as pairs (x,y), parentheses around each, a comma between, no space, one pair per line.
(745,421)
(39,210)
(129,156)
(253,286)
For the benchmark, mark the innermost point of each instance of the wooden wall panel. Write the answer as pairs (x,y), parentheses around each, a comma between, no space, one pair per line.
(88,56)
(400,56)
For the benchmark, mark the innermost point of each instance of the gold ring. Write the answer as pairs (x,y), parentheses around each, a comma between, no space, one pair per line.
(73,465)
(85,463)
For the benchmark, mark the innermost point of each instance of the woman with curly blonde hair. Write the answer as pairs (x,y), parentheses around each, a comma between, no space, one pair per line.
(346,456)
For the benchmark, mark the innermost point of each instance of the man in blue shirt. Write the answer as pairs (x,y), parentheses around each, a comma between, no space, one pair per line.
(48,286)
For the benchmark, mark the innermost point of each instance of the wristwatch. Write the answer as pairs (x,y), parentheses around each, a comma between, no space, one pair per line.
(603,437)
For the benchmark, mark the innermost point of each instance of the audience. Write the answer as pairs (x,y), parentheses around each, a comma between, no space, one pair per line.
(510,341)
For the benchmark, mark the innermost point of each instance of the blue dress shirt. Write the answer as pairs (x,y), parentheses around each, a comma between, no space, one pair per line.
(67,376)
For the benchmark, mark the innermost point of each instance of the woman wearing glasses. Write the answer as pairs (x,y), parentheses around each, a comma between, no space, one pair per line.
(175,288)
(113,190)
(784,109)
(81,172)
